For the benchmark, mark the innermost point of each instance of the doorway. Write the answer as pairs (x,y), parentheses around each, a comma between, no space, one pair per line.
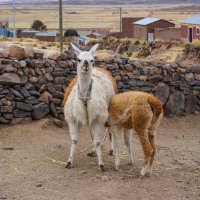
(190,36)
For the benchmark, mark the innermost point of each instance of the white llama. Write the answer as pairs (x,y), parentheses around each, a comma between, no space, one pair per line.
(86,101)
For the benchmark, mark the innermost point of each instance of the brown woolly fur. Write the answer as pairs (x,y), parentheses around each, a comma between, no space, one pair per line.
(125,106)
(69,89)
(74,81)
(141,112)
(110,76)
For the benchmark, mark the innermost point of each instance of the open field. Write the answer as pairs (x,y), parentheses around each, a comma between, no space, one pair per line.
(35,169)
(85,18)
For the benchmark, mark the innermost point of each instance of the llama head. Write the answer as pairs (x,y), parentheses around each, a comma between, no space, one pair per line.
(85,59)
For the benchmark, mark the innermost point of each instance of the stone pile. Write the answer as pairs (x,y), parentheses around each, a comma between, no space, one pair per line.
(32,88)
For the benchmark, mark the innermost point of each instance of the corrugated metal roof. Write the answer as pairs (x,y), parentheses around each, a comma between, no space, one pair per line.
(96,34)
(83,37)
(146,21)
(46,34)
(195,19)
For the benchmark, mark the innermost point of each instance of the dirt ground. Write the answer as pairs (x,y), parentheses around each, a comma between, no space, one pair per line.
(35,168)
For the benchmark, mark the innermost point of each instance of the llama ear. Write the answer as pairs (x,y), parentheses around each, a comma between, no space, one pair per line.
(94,48)
(76,49)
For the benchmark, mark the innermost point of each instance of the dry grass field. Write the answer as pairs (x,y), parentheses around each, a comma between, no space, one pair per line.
(85,18)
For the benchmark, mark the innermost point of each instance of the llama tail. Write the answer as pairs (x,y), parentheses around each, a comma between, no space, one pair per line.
(157,109)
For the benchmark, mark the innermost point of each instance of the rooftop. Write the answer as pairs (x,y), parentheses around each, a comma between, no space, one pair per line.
(146,21)
(195,19)
(46,34)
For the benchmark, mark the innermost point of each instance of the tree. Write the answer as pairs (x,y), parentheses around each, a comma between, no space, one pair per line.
(70,32)
(38,26)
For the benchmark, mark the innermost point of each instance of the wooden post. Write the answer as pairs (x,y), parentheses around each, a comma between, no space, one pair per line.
(61,25)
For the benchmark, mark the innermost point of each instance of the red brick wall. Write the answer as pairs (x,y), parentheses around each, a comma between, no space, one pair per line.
(184,32)
(46,38)
(195,36)
(127,26)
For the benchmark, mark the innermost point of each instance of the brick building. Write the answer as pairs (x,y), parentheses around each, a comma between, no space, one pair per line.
(145,27)
(190,28)
(127,26)
(47,37)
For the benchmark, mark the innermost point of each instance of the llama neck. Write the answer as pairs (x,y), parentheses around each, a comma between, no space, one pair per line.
(84,81)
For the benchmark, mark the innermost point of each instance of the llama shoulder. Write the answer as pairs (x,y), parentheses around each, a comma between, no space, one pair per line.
(108,75)
(69,89)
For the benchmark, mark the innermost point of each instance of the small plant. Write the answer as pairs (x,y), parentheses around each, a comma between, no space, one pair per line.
(38,26)
(129,54)
(137,42)
(71,32)
(187,48)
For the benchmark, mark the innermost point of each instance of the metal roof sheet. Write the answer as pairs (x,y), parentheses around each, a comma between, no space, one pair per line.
(195,19)
(96,34)
(146,21)
(83,37)
(46,34)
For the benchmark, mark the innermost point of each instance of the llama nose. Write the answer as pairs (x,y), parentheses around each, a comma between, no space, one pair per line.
(86,62)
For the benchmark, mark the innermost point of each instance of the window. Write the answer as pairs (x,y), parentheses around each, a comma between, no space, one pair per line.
(198,30)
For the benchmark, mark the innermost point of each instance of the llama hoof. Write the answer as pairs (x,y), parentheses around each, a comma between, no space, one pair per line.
(130,163)
(116,168)
(110,153)
(69,165)
(139,176)
(92,154)
(101,167)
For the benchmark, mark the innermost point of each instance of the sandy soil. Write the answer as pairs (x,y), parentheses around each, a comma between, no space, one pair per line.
(35,168)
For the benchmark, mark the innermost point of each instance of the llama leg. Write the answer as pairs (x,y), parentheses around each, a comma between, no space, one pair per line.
(98,131)
(147,150)
(152,138)
(116,142)
(73,128)
(128,143)
(110,143)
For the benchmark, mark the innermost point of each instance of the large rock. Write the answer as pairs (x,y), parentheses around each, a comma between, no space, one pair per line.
(46,97)
(24,106)
(16,52)
(29,52)
(21,113)
(9,79)
(162,92)
(53,110)
(40,111)
(192,104)
(155,78)
(4,53)
(176,104)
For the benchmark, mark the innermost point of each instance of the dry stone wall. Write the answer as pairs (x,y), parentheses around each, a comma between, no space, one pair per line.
(33,88)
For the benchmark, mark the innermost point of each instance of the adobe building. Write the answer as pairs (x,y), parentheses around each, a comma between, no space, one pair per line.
(190,29)
(47,37)
(144,28)
(127,26)
(167,34)
(28,34)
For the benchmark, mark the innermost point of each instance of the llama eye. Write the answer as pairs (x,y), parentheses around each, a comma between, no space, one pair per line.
(79,60)
(92,61)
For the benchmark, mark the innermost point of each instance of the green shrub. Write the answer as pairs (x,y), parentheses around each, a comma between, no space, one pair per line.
(137,42)
(70,32)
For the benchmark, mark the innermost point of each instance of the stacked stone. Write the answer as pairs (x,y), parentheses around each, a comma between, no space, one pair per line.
(175,84)
(32,88)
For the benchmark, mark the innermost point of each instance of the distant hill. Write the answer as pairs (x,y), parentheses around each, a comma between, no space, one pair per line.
(98,2)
